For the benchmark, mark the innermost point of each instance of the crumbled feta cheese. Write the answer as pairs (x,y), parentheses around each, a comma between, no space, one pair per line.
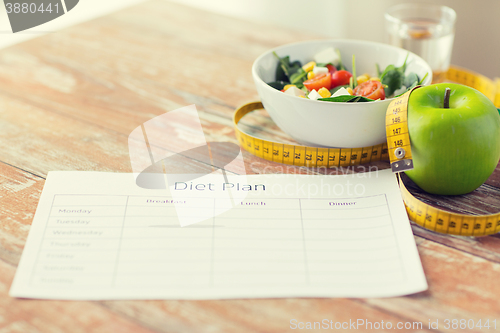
(294,91)
(320,70)
(327,56)
(314,95)
(341,92)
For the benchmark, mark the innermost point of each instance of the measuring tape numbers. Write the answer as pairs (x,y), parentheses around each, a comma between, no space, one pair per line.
(488,87)
(397,150)
(398,137)
(446,222)
(303,155)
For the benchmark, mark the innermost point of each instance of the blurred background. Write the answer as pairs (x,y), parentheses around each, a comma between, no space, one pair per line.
(477,36)
(476,47)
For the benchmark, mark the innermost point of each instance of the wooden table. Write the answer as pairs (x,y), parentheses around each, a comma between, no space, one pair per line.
(68,101)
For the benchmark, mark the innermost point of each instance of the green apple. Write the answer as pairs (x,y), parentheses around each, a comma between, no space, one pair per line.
(456,148)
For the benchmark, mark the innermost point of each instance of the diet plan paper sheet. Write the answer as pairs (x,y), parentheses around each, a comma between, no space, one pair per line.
(98,235)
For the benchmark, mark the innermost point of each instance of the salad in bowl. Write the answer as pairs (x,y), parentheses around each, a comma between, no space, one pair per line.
(326,78)
(334,93)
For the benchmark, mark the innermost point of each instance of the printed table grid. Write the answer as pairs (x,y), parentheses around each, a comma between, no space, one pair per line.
(219,251)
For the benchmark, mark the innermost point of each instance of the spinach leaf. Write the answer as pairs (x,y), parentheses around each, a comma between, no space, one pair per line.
(358,99)
(278,84)
(410,79)
(387,70)
(285,69)
(414,84)
(346,99)
(280,73)
(298,77)
(294,67)
(393,80)
(393,77)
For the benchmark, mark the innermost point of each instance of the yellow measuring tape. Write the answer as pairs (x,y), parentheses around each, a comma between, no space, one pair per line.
(302,155)
(397,150)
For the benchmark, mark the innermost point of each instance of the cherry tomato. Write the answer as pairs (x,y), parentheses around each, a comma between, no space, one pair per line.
(331,68)
(370,89)
(340,78)
(318,82)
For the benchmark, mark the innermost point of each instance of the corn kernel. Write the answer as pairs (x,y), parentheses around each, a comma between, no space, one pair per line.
(349,90)
(309,66)
(310,75)
(325,93)
(362,78)
(367,75)
(374,78)
(302,96)
(288,86)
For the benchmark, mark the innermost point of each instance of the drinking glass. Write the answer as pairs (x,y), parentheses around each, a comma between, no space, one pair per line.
(425,29)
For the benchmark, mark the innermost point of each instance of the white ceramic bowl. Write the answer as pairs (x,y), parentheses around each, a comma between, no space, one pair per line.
(320,123)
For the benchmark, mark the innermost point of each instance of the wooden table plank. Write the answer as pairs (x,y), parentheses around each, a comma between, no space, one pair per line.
(128,72)
(460,287)
(26,316)
(271,315)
